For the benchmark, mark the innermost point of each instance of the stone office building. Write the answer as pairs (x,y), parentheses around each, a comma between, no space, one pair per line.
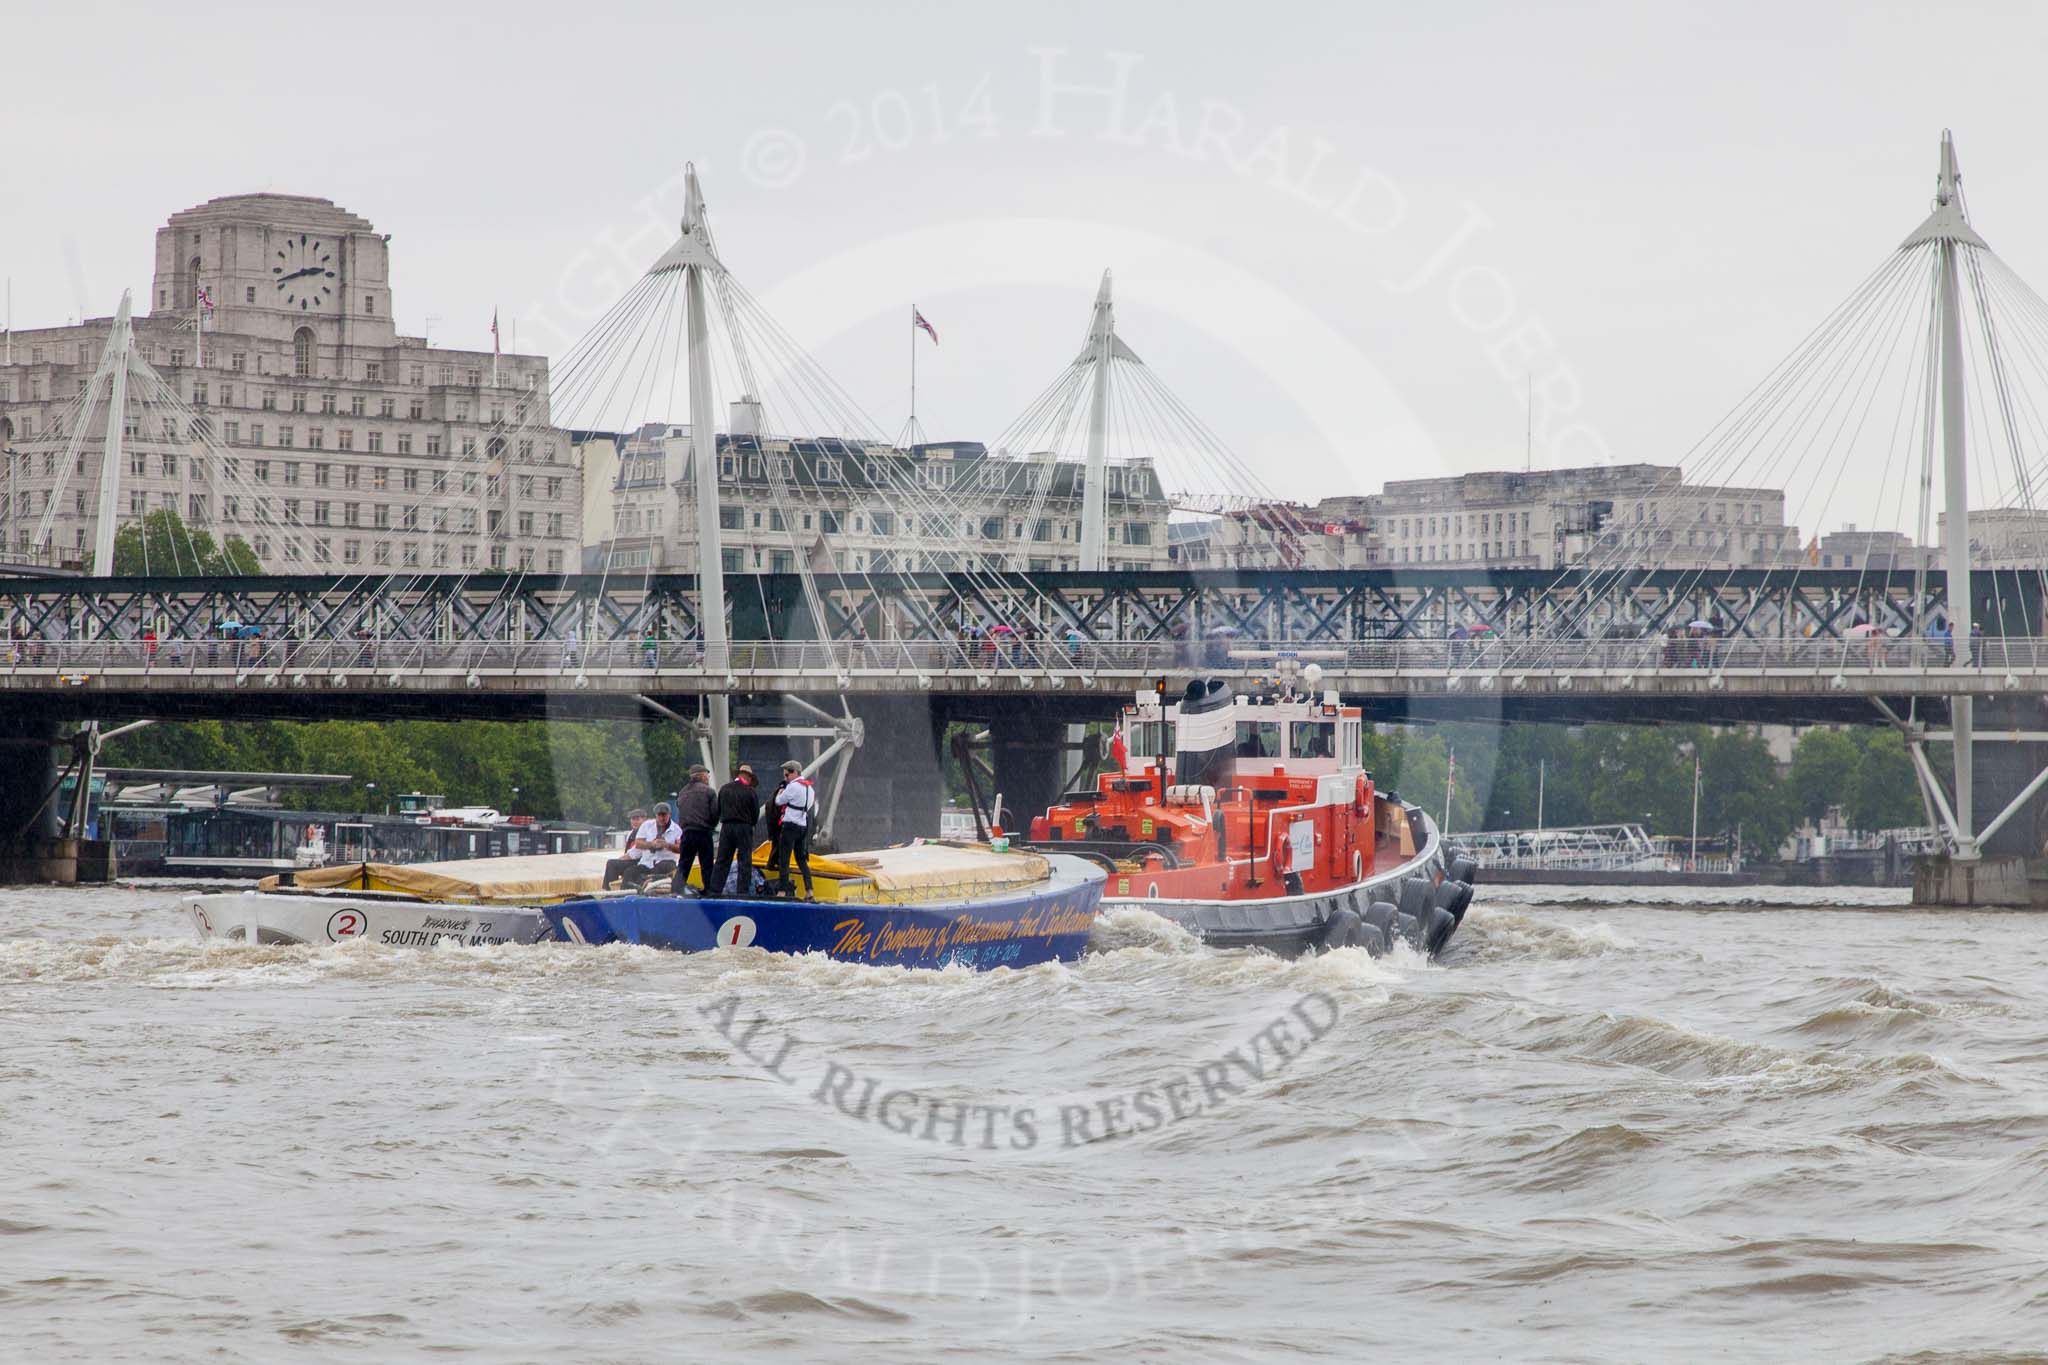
(337,444)
(848,507)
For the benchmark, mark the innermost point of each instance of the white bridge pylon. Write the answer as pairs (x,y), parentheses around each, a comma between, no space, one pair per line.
(1108,407)
(1915,415)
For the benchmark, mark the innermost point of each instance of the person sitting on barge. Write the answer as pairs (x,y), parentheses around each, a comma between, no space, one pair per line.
(616,868)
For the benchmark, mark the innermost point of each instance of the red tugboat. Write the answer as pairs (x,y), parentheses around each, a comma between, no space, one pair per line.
(1251,820)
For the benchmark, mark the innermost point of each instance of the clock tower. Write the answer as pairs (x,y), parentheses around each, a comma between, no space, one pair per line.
(273,264)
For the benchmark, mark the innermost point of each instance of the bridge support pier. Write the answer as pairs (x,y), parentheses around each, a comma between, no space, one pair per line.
(2008,779)
(1029,754)
(32,850)
(893,786)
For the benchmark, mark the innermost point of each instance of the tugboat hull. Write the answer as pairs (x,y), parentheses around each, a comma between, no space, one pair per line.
(1421,902)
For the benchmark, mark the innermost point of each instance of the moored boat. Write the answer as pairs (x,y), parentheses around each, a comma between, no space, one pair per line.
(469,901)
(935,904)
(1251,821)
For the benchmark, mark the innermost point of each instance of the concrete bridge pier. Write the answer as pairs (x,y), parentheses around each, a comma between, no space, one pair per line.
(31,850)
(894,783)
(2011,756)
(1030,755)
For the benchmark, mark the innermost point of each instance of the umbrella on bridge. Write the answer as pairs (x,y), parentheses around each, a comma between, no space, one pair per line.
(1865,629)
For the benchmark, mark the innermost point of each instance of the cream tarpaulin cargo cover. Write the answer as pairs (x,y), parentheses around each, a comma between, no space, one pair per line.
(534,877)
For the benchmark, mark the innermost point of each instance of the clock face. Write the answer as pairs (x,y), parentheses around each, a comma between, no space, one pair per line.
(304,272)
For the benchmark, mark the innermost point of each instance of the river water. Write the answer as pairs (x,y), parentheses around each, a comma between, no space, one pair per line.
(1600,1131)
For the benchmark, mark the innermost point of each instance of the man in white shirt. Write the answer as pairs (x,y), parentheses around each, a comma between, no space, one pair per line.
(617,868)
(660,841)
(796,800)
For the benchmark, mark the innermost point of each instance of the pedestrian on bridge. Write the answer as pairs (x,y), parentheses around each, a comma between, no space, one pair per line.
(1976,644)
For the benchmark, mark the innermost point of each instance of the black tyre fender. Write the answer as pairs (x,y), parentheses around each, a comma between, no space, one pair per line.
(1455,897)
(1414,897)
(1438,928)
(1373,939)
(1380,915)
(1341,928)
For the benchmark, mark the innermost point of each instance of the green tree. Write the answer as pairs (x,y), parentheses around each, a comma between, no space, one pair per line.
(1824,764)
(1740,789)
(162,546)
(1885,793)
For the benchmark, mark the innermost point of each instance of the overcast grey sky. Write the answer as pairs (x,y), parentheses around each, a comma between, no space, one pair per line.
(1337,228)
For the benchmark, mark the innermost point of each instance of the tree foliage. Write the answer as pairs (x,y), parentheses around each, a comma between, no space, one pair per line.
(1824,764)
(573,770)
(162,546)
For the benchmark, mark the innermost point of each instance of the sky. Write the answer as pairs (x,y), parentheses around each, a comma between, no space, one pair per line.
(1355,238)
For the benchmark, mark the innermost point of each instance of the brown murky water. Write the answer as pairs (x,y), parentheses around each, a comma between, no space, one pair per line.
(1600,1132)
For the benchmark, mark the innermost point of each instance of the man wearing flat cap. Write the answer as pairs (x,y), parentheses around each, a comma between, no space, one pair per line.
(697,818)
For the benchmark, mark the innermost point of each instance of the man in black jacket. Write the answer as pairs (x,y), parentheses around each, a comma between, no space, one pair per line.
(697,817)
(739,810)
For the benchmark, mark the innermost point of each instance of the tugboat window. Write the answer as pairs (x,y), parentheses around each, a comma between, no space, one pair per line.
(1313,739)
(1258,739)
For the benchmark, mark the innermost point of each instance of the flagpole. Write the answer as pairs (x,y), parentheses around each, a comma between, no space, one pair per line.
(1693,863)
(198,331)
(494,346)
(913,372)
(1450,785)
(10,319)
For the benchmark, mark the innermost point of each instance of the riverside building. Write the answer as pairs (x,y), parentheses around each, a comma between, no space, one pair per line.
(847,506)
(338,443)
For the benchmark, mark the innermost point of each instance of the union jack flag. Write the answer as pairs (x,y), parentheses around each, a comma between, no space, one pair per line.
(205,299)
(917,320)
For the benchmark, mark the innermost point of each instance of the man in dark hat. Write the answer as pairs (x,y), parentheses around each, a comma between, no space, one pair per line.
(738,810)
(697,818)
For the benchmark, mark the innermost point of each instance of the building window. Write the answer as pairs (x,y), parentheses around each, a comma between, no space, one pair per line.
(302,353)
(376,440)
(249,294)
(404,443)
